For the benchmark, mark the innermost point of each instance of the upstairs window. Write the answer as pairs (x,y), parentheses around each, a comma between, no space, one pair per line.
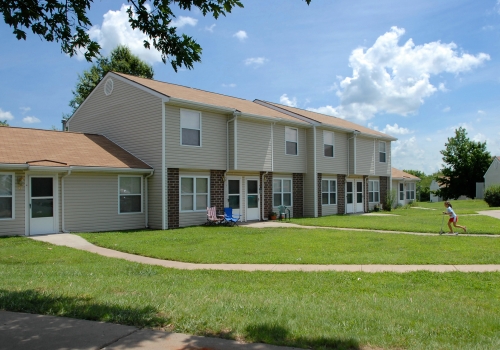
(328,192)
(6,196)
(373,191)
(381,151)
(130,193)
(292,141)
(190,128)
(328,144)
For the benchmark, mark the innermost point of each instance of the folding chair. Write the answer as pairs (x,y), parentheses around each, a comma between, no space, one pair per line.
(229,218)
(283,213)
(212,217)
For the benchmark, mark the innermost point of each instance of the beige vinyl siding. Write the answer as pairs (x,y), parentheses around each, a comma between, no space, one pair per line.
(91,204)
(131,118)
(492,175)
(337,164)
(211,154)
(254,145)
(365,162)
(329,210)
(231,128)
(310,175)
(16,226)
(383,169)
(289,163)
(350,155)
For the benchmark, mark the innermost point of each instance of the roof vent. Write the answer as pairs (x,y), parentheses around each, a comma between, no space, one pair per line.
(108,87)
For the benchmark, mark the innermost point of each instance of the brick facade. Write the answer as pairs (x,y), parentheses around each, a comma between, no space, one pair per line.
(173,197)
(217,189)
(341,194)
(266,199)
(298,195)
(318,189)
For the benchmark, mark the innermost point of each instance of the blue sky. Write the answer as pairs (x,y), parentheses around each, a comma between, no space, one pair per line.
(414,69)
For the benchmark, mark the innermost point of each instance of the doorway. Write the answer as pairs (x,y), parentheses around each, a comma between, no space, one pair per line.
(252,204)
(42,205)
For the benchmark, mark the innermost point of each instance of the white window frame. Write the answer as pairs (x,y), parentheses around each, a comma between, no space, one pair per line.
(382,151)
(410,191)
(131,194)
(296,142)
(12,196)
(325,132)
(282,192)
(194,194)
(182,110)
(372,191)
(329,190)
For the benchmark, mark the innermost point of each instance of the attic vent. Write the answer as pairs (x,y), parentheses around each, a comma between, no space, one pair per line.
(108,87)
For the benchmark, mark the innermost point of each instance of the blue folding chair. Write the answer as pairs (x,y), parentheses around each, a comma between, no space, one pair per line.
(231,220)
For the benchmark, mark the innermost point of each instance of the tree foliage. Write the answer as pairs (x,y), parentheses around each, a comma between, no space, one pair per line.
(120,60)
(4,123)
(466,162)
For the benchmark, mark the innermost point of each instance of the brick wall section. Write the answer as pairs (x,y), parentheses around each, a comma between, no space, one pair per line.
(341,194)
(173,197)
(298,195)
(217,189)
(365,194)
(384,189)
(318,189)
(266,199)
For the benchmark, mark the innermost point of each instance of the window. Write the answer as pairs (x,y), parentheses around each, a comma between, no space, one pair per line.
(292,141)
(329,192)
(130,193)
(381,151)
(401,192)
(410,191)
(373,191)
(282,192)
(328,144)
(190,128)
(6,196)
(194,193)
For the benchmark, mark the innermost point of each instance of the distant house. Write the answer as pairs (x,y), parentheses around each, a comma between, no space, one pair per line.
(434,187)
(405,186)
(492,175)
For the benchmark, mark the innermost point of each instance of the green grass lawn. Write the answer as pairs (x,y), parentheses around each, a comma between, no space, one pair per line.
(319,310)
(411,219)
(299,246)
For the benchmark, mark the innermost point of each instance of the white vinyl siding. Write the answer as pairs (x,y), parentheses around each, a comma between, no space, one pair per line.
(291,141)
(382,152)
(130,194)
(373,191)
(328,192)
(328,144)
(7,200)
(282,192)
(190,127)
(194,193)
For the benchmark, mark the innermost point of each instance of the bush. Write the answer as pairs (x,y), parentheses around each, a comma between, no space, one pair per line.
(492,196)
(390,200)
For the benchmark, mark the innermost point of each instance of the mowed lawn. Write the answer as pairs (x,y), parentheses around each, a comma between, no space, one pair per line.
(318,310)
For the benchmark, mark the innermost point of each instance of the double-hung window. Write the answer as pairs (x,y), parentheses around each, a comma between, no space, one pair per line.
(410,191)
(328,144)
(328,192)
(373,191)
(6,196)
(194,193)
(130,193)
(190,128)
(381,151)
(292,141)
(282,192)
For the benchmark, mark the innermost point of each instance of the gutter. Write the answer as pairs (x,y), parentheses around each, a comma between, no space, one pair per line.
(315,175)
(88,169)
(227,141)
(164,224)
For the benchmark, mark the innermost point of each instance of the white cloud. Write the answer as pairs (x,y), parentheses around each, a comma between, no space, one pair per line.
(446,109)
(232,85)
(183,21)
(241,35)
(211,28)
(389,78)
(31,120)
(480,112)
(115,30)
(284,100)
(5,115)
(25,109)
(480,138)
(328,110)
(255,61)
(442,87)
(395,130)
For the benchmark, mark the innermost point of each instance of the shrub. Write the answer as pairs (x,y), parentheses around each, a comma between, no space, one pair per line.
(390,200)
(492,196)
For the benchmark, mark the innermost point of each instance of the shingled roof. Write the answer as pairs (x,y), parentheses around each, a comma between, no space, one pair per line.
(400,174)
(35,147)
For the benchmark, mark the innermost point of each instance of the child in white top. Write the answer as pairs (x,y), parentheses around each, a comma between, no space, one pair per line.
(453,218)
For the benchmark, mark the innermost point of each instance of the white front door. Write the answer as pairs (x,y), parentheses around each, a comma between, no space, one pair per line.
(359,196)
(401,193)
(349,196)
(233,194)
(252,204)
(42,205)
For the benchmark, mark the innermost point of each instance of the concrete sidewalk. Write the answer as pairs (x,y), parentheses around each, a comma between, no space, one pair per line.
(77,242)
(20,331)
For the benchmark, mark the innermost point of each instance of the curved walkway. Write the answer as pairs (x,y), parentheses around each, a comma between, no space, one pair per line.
(77,242)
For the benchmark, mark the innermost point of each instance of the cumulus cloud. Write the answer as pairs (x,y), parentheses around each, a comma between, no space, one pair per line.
(255,61)
(31,120)
(5,115)
(241,35)
(183,21)
(446,109)
(285,100)
(211,28)
(389,78)
(25,109)
(395,130)
(480,112)
(328,110)
(232,85)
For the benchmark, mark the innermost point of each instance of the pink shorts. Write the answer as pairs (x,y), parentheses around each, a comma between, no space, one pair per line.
(453,219)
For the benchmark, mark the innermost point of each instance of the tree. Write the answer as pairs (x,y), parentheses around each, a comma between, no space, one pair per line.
(120,60)
(66,21)
(466,162)
(4,123)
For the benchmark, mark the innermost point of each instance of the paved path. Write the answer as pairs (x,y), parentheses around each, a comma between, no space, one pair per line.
(77,242)
(492,213)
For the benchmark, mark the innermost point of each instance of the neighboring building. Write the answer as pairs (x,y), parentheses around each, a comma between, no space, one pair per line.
(492,175)
(404,186)
(432,188)
(61,182)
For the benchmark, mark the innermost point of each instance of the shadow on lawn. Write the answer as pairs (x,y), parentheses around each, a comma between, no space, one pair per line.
(37,302)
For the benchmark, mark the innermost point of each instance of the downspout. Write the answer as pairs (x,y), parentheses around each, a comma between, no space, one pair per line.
(354,134)
(63,229)
(315,179)
(146,200)
(227,141)
(164,217)
(263,194)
